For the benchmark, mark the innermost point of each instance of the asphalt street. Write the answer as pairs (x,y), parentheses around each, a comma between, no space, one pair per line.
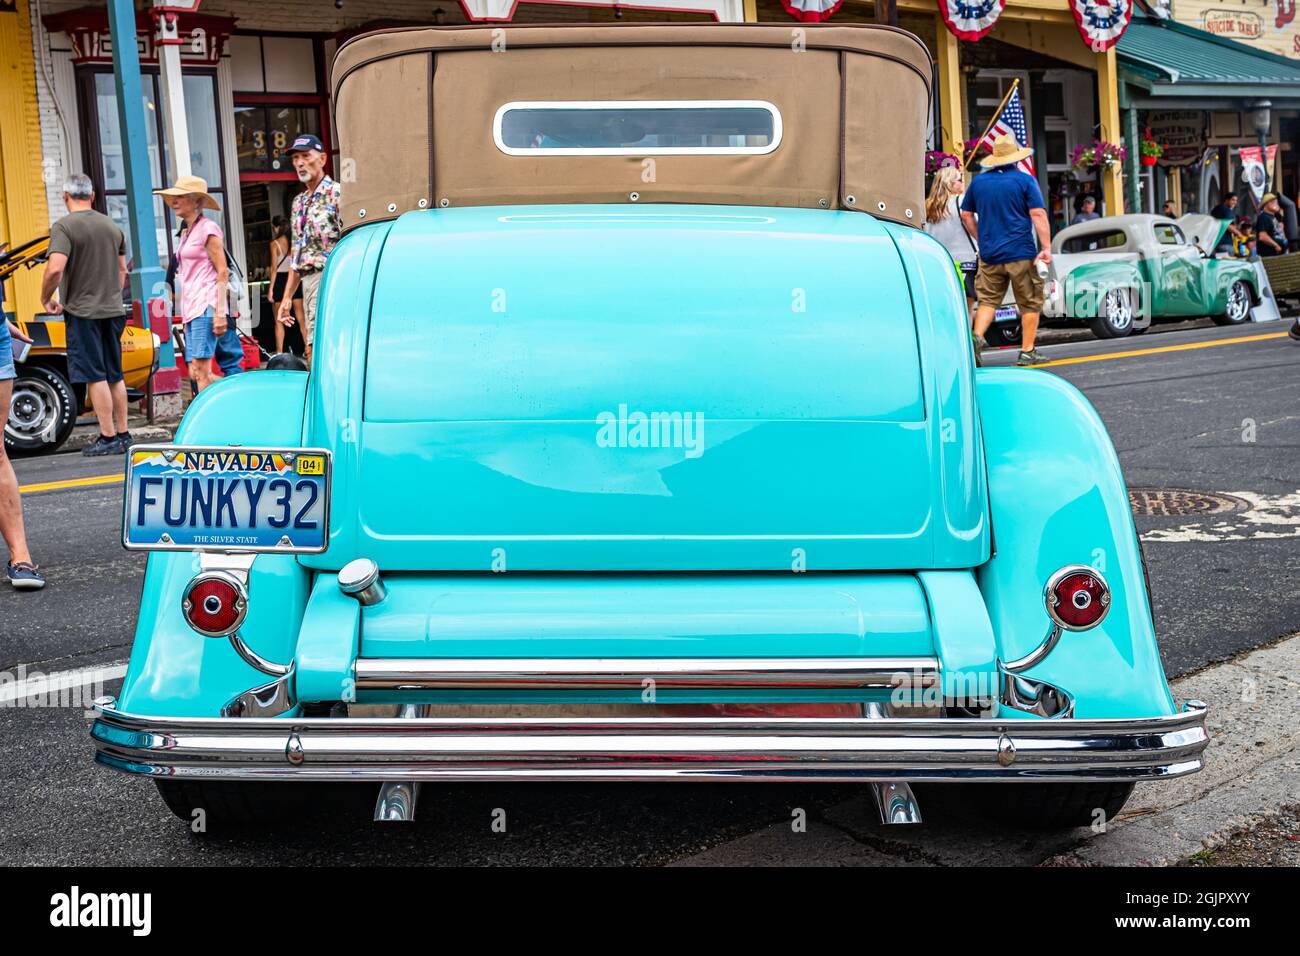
(1197,408)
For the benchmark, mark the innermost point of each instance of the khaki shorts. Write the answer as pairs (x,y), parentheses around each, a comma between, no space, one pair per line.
(992,280)
(310,292)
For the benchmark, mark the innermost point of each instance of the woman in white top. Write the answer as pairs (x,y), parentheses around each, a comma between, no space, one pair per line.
(943,221)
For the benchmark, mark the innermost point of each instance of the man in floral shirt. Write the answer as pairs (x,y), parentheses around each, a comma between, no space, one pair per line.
(316,228)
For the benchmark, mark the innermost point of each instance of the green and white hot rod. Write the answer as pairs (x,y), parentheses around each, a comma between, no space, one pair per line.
(1122,273)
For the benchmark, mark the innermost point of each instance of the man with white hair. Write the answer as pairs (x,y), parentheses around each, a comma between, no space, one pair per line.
(87,264)
(316,225)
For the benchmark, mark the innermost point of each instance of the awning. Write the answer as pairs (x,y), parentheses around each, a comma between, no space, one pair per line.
(1167,63)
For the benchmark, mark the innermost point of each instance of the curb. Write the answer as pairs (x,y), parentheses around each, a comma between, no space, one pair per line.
(81,437)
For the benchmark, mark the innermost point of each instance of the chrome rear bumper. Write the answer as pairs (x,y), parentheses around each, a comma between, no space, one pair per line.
(651,749)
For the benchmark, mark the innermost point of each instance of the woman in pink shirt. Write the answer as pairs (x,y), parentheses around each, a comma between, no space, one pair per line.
(202,276)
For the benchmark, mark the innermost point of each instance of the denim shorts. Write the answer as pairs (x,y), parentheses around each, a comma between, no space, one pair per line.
(6,353)
(200,343)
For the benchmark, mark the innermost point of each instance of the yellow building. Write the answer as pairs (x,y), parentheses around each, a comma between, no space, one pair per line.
(24,214)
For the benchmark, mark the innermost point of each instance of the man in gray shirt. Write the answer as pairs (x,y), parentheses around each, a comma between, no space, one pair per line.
(87,264)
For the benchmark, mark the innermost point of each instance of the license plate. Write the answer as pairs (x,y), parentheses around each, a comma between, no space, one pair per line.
(1005,313)
(218,498)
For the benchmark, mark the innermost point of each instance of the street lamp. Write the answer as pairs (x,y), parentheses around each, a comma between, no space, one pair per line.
(1261,119)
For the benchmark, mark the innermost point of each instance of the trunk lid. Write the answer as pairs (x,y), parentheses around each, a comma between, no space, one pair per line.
(658,388)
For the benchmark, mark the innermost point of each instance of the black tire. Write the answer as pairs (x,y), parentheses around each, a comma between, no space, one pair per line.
(44,412)
(234,802)
(1240,301)
(1052,806)
(1116,318)
(1000,335)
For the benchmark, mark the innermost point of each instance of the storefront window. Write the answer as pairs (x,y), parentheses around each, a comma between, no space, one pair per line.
(263,132)
(200,118)
(110,139)
(103,144)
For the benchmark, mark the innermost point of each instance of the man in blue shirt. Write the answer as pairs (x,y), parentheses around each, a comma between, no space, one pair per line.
(1010,211)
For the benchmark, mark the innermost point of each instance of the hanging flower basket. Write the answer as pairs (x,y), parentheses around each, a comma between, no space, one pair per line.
(1099,155)
(973,149)
(936,159)
(1149,149)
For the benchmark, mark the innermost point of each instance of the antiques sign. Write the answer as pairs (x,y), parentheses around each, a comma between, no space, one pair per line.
(1181,133)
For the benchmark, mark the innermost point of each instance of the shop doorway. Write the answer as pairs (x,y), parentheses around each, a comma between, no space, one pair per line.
(266,205)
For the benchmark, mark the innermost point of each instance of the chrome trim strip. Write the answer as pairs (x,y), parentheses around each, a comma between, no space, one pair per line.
(666,673)
(650,749)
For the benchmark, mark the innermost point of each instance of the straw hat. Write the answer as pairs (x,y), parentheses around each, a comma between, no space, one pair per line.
(1005,152)
(188,186)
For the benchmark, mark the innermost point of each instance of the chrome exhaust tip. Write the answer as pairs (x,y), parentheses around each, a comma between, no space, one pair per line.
(397,798)
(894,798)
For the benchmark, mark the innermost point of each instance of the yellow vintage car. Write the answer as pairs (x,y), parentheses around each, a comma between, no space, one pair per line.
(45,404)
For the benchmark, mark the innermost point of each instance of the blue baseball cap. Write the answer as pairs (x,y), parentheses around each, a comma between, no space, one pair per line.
(303,142)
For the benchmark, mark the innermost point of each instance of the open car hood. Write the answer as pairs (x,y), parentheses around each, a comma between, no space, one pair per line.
(1202,230)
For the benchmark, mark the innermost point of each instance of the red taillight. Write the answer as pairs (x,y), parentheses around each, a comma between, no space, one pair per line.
(215,604)
(1077,598)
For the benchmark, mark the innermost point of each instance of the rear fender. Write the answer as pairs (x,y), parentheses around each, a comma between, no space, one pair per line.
(1220,274)
(173,670)
(1057,497)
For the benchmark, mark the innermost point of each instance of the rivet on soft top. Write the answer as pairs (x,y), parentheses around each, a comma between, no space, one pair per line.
(392,207)
(634,196)
(823,203)
(881,206)
(444,202)
(850,200)
(423,203)
(907,213)
(361,214)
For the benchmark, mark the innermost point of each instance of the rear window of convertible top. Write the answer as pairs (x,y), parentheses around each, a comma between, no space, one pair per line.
(629,128)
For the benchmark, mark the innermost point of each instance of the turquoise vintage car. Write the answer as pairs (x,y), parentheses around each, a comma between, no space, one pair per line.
(1119,274)
(643,442)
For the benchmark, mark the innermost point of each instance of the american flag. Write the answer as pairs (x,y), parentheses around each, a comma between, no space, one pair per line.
(1011,122)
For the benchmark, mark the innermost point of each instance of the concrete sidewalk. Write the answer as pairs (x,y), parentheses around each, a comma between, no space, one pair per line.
(1252,773)
(86,429)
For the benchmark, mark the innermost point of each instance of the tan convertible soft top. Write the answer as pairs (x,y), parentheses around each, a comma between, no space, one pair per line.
(415,108)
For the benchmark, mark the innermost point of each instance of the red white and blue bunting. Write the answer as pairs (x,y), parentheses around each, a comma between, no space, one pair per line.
(970,19)
(811,11)
(1102,22)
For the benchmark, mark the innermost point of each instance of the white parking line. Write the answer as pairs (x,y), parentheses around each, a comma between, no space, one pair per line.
(22,684)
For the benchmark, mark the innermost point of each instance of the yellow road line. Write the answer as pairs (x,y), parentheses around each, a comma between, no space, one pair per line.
(71,483)
(1164,348)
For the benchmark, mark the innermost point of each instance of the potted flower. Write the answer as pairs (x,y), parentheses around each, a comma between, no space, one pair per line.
(1149,149)
(1099,154)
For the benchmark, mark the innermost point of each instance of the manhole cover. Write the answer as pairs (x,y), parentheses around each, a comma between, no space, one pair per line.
(1179,501)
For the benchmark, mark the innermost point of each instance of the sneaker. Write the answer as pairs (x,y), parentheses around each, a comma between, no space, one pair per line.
(1294,331)
(103,446)
(100,446)
(123,440)
(1032,357)
(24,576)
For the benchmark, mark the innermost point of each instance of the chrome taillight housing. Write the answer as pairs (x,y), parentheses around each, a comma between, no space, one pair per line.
(215,603)
(1077,597)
